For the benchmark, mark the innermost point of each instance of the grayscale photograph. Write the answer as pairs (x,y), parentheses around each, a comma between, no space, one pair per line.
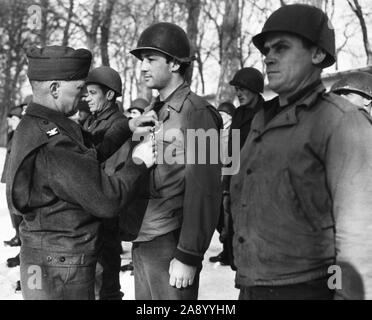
(190,150)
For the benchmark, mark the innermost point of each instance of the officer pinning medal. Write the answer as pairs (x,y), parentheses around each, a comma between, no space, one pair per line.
(279,163)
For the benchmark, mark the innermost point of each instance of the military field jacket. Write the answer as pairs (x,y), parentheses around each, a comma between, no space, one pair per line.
(301,201)
(57,184)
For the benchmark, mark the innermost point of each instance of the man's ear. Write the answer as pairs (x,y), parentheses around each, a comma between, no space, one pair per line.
(317,55)
(175,66)
(110,95)
(54,89)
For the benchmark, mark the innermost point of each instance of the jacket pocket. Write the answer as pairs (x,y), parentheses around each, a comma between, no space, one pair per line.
(310,200)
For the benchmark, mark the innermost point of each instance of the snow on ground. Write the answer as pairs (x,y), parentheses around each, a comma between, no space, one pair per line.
(216,281)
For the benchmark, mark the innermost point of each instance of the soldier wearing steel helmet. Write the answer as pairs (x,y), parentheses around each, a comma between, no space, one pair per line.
(249,84)
(357,88)
(184,199)
(301,201)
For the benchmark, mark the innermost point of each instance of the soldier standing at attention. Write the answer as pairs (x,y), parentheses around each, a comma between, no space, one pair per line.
(183,204)
(56,183)
(301,202)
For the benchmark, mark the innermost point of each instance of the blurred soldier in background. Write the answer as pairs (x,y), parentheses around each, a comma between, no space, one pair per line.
(249,85)
(226,110)
(56,183)
(357,88)
(137,107)
(183,204)
(13,119)
(301,201)
(109,129)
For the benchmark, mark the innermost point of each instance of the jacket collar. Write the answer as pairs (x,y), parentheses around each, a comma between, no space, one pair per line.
(176,99)
(107,113)
(305,98)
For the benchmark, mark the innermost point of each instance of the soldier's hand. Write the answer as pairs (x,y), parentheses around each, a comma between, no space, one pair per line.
(181,275)
(145,152)
(142,125)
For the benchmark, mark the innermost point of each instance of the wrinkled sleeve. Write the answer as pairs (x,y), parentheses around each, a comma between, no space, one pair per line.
(113,139)
(77,177)
(202,197)
(349,174)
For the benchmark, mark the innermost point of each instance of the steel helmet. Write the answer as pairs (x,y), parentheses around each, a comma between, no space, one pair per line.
(106,76)
(305,21)
(355,82)
(166,38)
(249,78)
(227,107)
(139,104)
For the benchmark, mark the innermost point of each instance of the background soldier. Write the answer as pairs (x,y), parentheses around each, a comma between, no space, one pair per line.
(108,129)
(301,201)
(357,88)
(249,85)
(183,204)
(137,107)
(56,183)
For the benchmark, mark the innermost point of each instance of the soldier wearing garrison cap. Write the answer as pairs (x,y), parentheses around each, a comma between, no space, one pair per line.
(301,201)
(56,183)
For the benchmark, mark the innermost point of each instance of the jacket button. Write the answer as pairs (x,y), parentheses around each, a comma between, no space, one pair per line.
(49,258)
(241,239)
(249,171)
(62,259)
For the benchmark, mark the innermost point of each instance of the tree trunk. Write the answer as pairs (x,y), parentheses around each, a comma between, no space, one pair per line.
(359,13)
(44,22)
(230,30)
(105,32)
(193,9)
(92,33)
(66,30)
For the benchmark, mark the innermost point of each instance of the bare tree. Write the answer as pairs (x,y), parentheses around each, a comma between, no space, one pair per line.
(105,31)
(230,61)
(66,31)
(193,9)
(357,9)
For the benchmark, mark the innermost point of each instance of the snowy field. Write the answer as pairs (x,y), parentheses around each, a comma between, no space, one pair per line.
(216,281)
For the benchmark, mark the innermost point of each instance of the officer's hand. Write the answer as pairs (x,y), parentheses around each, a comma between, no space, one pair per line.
(145,152)
(143,124)
(181,275)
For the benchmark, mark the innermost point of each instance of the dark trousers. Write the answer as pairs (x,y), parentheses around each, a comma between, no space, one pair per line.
(16,221)
(56,276)
(311,290)
(151,261)
(110,260)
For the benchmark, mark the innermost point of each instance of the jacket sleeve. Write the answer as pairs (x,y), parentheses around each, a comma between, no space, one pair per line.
(202,197)
(349,174)
(77,177)
(118,133)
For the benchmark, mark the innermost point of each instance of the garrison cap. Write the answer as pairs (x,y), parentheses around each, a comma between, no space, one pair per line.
(58,63)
